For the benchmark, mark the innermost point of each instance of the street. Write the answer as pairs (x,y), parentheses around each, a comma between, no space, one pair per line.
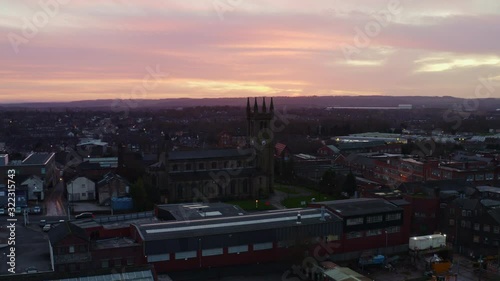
(54,202)
(32,249)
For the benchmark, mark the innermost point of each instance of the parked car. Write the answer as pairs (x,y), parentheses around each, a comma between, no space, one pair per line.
(42,223)
(47,227)
(2,211)
(86,215)
(31,269)
(36,210)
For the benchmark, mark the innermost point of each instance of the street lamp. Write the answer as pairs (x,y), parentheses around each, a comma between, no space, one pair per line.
(480,266)
(201,250)
(386,240)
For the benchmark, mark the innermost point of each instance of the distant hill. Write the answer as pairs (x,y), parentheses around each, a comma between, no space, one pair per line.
(292,102)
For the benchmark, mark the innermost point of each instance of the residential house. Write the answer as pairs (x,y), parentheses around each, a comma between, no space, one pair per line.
(35,188)
(328,150)
(112,185)
(69,248)
(81,189)
(73,250)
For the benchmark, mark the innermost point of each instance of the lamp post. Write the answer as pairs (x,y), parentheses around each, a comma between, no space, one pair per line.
(201,250)
(386,240)
(480,266)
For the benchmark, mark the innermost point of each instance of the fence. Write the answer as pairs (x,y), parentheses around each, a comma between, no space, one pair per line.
(355,255)
(124,217)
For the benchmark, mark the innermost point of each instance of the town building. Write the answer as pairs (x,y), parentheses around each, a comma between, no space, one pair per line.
(243,239)
(370,224)
(81,189)
(192,236)
(199,175)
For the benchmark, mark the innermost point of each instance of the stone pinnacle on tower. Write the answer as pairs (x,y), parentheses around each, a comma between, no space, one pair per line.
(248,105)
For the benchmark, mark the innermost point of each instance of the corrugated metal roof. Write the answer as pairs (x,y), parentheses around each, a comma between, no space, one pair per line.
(38,158)
(250,222)
(145,275)
(345,274)
(360,206)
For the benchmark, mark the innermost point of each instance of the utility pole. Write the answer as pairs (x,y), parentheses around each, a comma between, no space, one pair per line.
(70,199)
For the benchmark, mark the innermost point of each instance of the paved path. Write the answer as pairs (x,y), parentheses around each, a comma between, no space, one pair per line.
(54,201)
(279,196)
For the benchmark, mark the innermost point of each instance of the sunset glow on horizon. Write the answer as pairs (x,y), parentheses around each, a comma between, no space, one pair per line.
(84,50)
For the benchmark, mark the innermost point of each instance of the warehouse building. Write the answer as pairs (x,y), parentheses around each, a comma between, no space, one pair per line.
(227,240)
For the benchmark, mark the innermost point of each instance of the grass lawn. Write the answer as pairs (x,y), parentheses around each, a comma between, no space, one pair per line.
(249,205)
(295,202)
(286,189)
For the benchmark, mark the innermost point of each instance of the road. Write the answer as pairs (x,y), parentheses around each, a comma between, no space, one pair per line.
(55,202)
(31,249)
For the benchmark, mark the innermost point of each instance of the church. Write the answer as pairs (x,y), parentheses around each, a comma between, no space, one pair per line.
(221,174)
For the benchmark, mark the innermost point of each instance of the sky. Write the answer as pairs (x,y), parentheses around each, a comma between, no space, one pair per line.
(66,50)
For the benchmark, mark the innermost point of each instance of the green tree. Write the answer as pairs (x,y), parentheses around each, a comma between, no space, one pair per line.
(327,182)
(349,185)
(153,195)
(139,195)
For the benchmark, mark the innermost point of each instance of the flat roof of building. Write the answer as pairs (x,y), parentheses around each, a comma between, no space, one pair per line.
(251,222)
(38,158)
(485,188)
(114,243)
(127,273)
(360,206)
(196,211)
(209,174)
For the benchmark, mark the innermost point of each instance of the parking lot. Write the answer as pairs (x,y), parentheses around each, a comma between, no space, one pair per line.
(32,249)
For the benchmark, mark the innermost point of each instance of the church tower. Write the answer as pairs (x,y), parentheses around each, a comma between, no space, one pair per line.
(261,138)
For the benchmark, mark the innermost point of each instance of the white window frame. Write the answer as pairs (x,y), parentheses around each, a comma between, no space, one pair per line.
(355,221)
(212,252)
(262,246)
(237,249)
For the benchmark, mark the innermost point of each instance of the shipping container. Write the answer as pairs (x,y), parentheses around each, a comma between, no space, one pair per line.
(122,203)
(433,241)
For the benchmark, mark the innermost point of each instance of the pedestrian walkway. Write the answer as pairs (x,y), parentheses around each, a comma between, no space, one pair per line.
(279,195)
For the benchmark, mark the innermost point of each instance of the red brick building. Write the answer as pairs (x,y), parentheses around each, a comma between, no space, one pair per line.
(370,223)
